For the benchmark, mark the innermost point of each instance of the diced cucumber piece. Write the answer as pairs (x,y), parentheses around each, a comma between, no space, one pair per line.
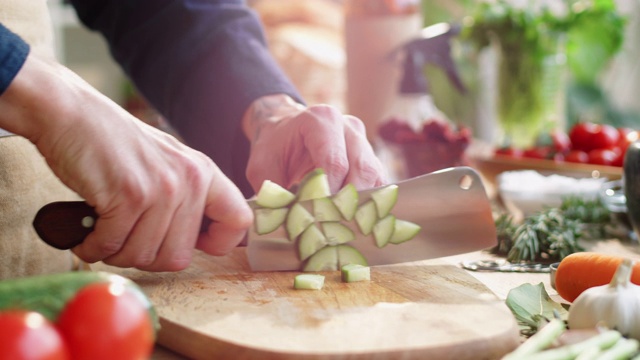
(314,185)
(332,258)
(298,220)
(404,231)
(337,233)
(385,199)
(346,200)
(311,240)
(366,217)
(383,230)
(268,220)
(325,210)
(308,282)
(355,272)
(272,195)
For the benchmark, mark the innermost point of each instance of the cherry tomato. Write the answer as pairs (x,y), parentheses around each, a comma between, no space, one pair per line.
(589,136)
(580,135)
(605,136)
(509,151)
(29,335)
(577,156)
(537,153)
(627,136)
(107,321)
(602,156)
(561,141)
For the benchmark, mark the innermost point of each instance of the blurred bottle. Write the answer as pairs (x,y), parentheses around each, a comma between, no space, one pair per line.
(374,29)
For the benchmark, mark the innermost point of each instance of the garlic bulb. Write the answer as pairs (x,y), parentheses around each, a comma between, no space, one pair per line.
(615,305)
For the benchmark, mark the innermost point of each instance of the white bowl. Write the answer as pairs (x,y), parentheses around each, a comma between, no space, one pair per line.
(527,192)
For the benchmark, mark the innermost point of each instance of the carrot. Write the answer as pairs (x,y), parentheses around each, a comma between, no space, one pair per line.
(582,270)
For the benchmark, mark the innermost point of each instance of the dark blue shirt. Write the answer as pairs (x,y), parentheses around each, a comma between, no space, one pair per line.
(200,63)
(13,53)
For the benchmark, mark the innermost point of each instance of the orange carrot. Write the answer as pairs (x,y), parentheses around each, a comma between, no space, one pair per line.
(582,270)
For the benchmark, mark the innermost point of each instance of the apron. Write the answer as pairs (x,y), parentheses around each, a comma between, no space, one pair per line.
(26,182)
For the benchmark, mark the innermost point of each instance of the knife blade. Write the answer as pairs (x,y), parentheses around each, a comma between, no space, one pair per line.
(4,133)
(451,206)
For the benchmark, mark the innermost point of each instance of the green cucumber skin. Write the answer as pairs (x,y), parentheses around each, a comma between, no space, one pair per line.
(48,294)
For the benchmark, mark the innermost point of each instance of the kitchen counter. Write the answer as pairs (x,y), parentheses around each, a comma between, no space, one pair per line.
(500,283)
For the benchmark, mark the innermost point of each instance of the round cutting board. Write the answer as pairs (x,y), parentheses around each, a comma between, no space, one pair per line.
(218,308)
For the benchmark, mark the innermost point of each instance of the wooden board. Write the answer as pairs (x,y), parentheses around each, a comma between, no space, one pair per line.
(218,308)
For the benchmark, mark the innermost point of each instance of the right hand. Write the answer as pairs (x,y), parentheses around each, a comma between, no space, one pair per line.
(149,190)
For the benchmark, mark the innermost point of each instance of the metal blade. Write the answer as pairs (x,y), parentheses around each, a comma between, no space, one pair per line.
(451,206)
(4,133)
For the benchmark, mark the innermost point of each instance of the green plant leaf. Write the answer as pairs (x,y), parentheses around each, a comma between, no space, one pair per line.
(531,303)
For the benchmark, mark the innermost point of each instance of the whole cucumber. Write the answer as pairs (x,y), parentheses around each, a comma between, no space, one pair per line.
(48,294)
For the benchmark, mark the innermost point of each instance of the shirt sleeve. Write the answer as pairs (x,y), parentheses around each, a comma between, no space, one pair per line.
(13,54)
(199,62)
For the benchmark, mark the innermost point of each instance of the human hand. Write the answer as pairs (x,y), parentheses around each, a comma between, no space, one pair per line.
(288,140)
(149,190)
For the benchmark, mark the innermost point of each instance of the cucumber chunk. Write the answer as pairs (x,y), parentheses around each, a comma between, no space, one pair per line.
(314,185)
(332,258)
(298,220)
(355,272)
(272,195)
(325,210)
(385,199)
(404,231)
(268,220)
(346,200)
(337,233)
(383,230)
(366,217)
(308,282)
(311,240)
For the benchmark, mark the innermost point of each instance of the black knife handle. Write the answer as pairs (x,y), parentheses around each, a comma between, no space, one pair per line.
(65,224)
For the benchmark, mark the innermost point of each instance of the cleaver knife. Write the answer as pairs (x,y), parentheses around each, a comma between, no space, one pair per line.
(451,206)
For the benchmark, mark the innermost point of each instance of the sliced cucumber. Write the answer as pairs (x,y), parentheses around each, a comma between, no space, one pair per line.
(385,199)
(272,195)
(355,272)
(308,282)
(298,220)
(314,185)
(311,240)
(337,233)
(366,217)
(383,230)
(268,220)
(325,210)
(346,200)
(331,258)
(404,231)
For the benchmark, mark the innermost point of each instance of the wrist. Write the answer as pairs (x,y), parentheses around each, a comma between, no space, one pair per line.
(268,109)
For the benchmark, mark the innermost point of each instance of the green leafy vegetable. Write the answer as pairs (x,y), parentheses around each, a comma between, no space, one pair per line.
(532,306)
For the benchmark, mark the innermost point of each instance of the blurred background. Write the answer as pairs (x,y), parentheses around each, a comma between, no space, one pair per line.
(599,81)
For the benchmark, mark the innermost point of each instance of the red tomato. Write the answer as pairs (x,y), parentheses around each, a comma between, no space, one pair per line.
(107,321)
(29,335)
(602,156)
(509,151)
(627,136)
(561,141)
(537,153)
(577,156)
(589,136)
(606,136)
(580,135)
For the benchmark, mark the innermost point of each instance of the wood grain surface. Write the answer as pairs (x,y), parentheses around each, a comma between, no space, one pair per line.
(218,308)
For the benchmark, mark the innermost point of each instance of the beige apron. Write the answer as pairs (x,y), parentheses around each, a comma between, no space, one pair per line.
(26,182)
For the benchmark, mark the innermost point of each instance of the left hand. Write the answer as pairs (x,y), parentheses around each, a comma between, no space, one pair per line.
(289,140)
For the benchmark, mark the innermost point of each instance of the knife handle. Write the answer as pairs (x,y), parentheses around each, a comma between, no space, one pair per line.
(65,224)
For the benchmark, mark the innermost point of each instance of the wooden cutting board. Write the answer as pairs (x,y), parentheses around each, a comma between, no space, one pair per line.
(218,308)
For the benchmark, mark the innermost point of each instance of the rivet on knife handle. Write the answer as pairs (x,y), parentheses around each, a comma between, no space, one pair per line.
(65,224)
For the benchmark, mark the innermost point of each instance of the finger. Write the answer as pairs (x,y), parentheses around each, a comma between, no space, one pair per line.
(365,169)
(324,139)
(231,216)
(109,235)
